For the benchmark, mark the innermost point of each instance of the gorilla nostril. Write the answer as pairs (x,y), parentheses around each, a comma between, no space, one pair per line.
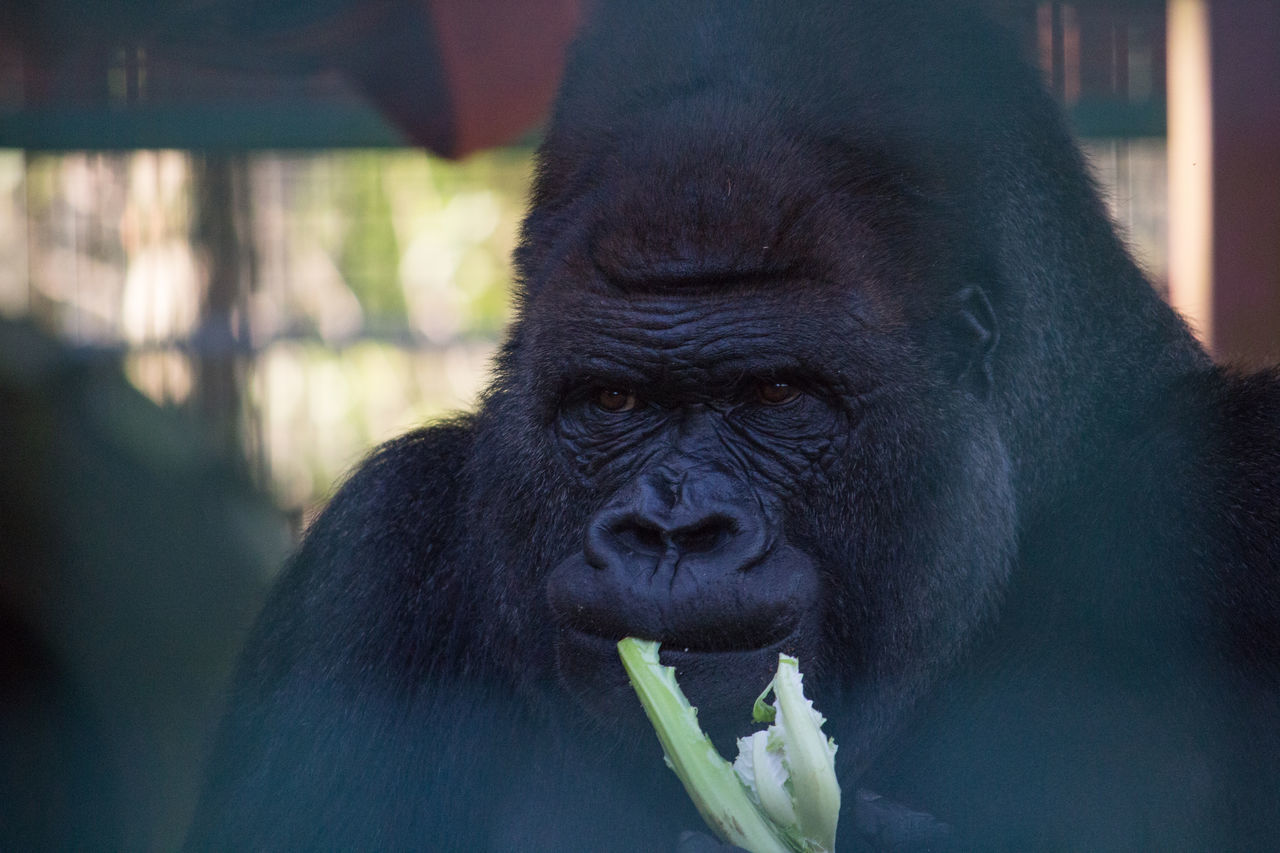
(703,536)
(639,536)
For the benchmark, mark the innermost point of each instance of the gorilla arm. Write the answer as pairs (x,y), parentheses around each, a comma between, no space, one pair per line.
(369,711)
(317,723)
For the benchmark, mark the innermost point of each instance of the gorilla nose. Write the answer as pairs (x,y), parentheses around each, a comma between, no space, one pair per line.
(651,530)
(641,534)
(689,558)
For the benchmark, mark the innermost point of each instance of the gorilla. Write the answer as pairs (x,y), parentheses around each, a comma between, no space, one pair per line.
(824,344)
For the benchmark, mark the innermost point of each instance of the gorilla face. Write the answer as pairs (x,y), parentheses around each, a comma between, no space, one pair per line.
(699,434)
(779,455)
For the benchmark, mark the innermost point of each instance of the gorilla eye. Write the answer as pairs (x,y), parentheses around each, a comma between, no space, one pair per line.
(775,393)
(613,400)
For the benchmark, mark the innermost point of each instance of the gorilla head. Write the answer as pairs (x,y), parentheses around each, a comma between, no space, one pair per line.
(757,398)
(752,407)
(824,345)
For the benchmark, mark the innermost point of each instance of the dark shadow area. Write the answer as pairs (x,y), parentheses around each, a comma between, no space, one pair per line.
(134,559)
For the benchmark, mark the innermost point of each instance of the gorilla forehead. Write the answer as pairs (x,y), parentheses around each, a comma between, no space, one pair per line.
(722,210)
(686,206)
(698,334)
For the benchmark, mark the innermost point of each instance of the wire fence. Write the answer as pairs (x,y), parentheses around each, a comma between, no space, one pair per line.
(302,306)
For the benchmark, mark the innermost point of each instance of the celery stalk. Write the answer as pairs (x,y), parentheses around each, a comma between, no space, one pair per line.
(781,795)
(808,755)
(709,779)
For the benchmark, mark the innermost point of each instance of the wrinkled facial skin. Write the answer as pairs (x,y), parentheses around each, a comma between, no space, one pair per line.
(744,447)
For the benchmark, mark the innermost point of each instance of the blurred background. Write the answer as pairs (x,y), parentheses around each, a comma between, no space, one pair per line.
(243,242)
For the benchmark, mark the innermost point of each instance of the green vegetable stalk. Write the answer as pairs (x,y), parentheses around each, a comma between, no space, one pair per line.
(781,795)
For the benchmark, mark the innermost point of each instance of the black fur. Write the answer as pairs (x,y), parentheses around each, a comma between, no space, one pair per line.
(1023,534)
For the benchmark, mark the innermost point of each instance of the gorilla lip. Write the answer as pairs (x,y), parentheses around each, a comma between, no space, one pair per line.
(676,641)
(675,646)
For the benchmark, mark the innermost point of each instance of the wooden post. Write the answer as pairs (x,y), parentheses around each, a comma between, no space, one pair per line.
(1245,85)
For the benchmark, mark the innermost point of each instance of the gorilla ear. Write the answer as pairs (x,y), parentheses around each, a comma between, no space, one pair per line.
(975,335)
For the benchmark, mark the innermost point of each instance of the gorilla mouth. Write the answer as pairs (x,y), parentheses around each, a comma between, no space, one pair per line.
(703,609)
(727,639)
(722,682)
(702,646)
(721,607)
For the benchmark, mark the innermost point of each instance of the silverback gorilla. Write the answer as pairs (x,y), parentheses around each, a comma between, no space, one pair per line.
(824,344)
